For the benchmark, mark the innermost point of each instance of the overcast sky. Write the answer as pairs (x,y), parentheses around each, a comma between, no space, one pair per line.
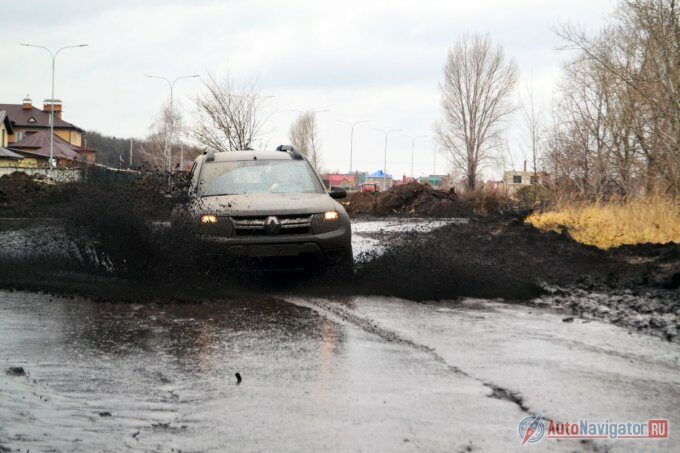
(375,60)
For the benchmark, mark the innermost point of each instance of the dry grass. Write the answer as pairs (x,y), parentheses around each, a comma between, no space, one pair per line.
(650,219)
(486,201)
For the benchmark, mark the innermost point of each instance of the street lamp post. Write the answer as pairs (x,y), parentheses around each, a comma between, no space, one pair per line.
(351,138)
(413,147)
(171,84)
(434,165)
(387,134)
(53,55)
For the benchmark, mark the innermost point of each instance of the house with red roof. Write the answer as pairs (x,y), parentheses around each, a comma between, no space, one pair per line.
(27,119)
(339,180)
(37,146)
(26,134)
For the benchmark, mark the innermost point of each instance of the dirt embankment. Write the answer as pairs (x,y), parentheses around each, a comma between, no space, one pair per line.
(22,195)
(413,199)
(498,256)
(501,256)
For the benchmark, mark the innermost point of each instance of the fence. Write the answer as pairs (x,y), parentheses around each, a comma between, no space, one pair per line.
(61,174)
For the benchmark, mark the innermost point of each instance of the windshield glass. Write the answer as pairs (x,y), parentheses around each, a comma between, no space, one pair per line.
(257,177)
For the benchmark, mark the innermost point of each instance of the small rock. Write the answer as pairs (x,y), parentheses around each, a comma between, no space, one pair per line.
(569,319)
(16,371)
(105,414)
(238,378)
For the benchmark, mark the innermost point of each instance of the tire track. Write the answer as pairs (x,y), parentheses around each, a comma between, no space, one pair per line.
(336,313)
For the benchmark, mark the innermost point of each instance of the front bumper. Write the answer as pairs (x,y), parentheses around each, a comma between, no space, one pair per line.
(324,246)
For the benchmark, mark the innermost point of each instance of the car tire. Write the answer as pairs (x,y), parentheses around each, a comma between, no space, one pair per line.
(345,265)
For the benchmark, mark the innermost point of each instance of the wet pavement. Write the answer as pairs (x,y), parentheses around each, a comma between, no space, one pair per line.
(369,235)
(335,374)
(361,374)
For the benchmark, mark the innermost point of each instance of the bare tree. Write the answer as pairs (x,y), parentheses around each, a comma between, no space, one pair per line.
(168,128)
(230,116)
(533,126)
(154,149)
(478,83)
(638,58)
(304,136)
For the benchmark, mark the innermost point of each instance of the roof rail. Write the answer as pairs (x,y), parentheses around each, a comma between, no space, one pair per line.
(294,153)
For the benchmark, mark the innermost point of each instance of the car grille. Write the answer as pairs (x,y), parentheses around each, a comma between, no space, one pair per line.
(258,226)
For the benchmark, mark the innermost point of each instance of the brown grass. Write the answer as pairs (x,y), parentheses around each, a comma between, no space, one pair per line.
(486,201)
(652,219)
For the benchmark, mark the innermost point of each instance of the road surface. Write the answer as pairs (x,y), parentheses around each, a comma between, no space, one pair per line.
(334,374)
(361,374)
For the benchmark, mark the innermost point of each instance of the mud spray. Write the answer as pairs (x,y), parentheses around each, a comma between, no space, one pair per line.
(122,246)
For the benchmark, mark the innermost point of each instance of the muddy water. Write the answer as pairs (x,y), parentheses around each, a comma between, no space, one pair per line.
(361,374)
(369,236)
(165,374)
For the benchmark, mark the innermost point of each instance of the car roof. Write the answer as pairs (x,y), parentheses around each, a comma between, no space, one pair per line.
(231,156)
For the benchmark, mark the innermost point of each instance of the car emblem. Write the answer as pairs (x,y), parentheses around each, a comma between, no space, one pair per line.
(272,225)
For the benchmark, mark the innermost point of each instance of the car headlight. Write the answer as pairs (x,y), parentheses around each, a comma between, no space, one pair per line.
(216,225)
(331,216)
(326,222)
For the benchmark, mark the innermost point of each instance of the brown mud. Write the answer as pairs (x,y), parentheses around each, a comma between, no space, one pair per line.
(22,195)
(118,252)
(413,199)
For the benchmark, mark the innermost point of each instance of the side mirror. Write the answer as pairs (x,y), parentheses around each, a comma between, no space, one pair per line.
(338,192)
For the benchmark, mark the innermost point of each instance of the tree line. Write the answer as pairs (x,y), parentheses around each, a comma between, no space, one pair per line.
(614,128)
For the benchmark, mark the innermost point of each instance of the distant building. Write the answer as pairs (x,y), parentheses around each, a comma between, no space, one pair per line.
(36,146)
(359,177)
(25,139)
(382,179)
(404,180)
(6,128)
(347,182)
(27,119)
(8,159)
(441,182)
(514,180)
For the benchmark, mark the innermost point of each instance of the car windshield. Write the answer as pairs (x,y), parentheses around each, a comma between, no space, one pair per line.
(257,177)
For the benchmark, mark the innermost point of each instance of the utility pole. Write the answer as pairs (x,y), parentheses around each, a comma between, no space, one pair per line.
(434,169)
(131,142)
(53,55)
(168,136)
(351,138)
(387,134)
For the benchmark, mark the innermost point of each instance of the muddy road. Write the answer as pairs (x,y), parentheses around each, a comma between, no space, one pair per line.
(326,370)
(359,374)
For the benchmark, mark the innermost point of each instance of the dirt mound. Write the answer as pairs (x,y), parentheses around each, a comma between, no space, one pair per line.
(413,199)
(501,256)
(22,195)
(17,185)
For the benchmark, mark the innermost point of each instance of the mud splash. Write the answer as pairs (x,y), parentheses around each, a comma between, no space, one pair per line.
(120,246)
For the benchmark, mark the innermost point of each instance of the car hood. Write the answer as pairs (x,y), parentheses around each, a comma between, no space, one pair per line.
(265,204)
